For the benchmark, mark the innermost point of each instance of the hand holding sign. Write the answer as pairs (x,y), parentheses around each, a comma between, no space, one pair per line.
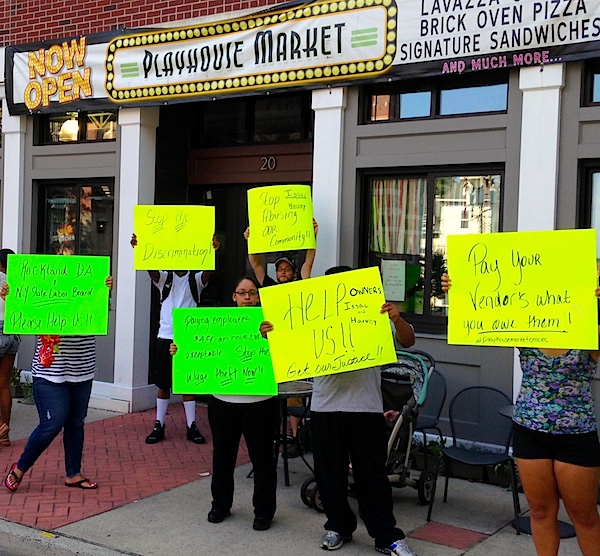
(57,295)
(175,237)
(337,321)
(281,219)
(221,351)
(517,289)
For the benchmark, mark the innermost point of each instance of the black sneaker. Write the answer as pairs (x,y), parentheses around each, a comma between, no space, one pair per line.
(157,434)
(194,435)
(216,516)
(261,523)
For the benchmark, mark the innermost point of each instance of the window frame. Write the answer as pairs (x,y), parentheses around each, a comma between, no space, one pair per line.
(41,129)
(591,68)
(435,86)
(425,323)
(41,187)
(249,103)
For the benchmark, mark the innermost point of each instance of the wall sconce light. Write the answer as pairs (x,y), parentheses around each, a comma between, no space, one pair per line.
(69,131)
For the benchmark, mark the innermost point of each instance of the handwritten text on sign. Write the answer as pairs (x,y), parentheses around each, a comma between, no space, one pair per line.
(328,325)
(280,218)
(50,294)
(532,289)
(221,351)
(174,237)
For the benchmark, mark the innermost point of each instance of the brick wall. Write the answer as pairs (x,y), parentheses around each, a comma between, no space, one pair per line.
(25,21)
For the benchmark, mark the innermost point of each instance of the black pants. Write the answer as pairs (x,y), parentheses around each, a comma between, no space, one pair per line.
(362,439)
(258,422)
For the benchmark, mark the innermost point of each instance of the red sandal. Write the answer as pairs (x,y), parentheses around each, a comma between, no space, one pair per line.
(12,486)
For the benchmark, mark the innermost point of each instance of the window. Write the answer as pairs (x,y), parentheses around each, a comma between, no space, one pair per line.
(267,119)
(77,218)
(409,220)
(471,100)
(589,200)
(429,98)
(73,127)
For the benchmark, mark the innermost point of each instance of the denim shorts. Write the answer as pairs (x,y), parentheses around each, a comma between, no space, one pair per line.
(9,343)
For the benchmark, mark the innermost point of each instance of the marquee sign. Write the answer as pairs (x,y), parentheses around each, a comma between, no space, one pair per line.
(312,44)
(298,44)
(293,45)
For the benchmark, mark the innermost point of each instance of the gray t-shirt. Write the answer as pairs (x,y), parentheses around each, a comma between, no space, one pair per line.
(352,392)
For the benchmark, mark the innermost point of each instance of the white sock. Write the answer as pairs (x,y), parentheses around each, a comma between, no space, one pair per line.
(190,412)
(161,410)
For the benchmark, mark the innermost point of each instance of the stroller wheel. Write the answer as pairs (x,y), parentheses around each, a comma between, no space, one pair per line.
(306,490)
(315,499)
(425,486)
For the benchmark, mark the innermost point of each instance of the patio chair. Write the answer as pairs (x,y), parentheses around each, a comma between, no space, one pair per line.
(430,411)
(481,436)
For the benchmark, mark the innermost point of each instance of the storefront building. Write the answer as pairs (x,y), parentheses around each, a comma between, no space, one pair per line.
(410,121)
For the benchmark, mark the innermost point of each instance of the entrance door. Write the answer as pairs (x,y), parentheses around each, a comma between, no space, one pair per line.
(231,219)
(221,177)
(230,222)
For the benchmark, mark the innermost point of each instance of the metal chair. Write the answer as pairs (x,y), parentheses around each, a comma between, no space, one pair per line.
(481,436)
(430,411)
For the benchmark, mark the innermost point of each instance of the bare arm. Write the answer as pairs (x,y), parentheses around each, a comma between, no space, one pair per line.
(309,259)
(154,274)
(206,274)
(256,262)
(404,331)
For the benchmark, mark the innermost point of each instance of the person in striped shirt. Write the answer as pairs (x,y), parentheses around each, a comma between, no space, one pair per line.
(63,370)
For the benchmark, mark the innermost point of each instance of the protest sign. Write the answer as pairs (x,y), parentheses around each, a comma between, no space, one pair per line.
(328,325)
(50,294)
(280,218)
(174,237)
(221,351)
(523,289)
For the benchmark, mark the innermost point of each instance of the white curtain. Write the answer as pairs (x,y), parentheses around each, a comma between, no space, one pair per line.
(398,215)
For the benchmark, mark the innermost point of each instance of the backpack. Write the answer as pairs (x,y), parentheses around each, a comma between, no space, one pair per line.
(192,283)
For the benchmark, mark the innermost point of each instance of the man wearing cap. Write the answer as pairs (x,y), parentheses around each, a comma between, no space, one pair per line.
(285,271)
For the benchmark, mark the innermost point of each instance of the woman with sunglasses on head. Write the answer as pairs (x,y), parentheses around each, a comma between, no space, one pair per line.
(255,417)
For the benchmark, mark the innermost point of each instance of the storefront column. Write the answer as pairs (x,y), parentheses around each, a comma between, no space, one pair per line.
(538,171)
(329,106)
(13,182)
(136,186)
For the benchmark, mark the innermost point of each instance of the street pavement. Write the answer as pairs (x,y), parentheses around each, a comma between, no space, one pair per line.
(153,500)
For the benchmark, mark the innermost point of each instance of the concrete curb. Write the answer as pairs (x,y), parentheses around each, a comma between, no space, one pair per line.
(20,540)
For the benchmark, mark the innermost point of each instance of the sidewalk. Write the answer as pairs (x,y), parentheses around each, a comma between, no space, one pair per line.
(153,500)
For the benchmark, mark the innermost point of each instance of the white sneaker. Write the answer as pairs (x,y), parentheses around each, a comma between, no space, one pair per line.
(400,548)
(332,540)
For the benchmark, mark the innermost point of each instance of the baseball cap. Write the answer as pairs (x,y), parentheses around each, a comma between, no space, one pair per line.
(284,260)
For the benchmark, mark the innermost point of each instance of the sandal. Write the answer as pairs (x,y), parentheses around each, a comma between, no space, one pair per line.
(79,484)
(4,439)
(12,480)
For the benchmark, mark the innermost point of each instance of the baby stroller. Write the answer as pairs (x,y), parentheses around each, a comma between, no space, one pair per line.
(404,389)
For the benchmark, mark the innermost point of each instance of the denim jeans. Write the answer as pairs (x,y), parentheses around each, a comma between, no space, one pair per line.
(60,406)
